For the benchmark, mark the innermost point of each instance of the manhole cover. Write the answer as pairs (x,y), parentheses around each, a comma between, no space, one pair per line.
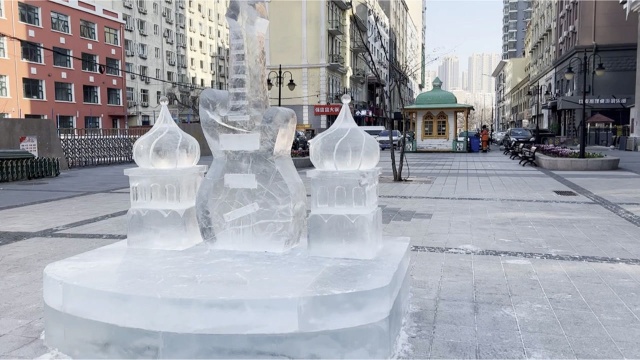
(565,193)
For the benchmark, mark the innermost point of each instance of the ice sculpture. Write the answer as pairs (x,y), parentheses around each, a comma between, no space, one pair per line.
(239,294)
(162,213)
(252,198)
(345,220)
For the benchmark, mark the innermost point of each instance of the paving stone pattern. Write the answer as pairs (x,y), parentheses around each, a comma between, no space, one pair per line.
(502,266)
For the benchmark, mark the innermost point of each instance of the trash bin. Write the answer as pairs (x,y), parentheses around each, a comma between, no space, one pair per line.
(475,143)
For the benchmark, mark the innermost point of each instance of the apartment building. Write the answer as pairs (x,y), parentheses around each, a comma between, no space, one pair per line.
(173,48)
(449,73)
(511,81)
(480,66)
(602,30)
(378,40)
(516,16)
(632,8)
(61,60)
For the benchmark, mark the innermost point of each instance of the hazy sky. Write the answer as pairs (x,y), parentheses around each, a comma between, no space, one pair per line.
(460,27)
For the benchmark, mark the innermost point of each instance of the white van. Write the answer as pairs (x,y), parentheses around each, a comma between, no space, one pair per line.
(372,130)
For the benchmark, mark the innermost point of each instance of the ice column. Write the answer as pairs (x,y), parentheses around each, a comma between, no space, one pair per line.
(164,187)
(345,220)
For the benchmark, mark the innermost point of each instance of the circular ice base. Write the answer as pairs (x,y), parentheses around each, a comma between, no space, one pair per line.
(119,302)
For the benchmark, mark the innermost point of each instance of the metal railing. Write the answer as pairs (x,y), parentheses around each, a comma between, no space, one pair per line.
(90,147)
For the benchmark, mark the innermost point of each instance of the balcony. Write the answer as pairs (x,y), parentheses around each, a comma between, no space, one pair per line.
(335,28)
(358,45)
(342,4)
(336,63)
(358,75)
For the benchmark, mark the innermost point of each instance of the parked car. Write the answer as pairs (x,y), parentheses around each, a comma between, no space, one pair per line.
(498,137)
(383,139)
(543,136)
(300,141)
(372,130)
(517,134)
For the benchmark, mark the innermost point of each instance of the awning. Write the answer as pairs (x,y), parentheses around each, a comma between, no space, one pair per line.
(599,119)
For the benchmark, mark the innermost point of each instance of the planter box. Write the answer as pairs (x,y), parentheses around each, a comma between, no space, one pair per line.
(302,162)
(573,164)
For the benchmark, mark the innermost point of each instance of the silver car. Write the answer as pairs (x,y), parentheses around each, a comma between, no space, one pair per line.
(498,137)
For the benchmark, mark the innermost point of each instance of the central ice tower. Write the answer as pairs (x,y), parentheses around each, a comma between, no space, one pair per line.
(252,197)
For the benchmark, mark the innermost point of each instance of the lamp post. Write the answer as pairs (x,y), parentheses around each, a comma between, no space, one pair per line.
(569,74)
(538,92)
(278,81)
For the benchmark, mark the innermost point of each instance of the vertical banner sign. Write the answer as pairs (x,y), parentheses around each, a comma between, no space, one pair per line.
(29,143)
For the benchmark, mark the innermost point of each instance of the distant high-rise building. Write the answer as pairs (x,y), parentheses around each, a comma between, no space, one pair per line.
(464,80)
(449,73)
(516,16)
(429,76)
(480,67)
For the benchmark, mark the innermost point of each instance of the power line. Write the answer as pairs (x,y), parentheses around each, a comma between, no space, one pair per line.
(98,65)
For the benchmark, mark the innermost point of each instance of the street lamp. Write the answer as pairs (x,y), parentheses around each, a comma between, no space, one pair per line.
(538,92)
(278,81)
(569,75)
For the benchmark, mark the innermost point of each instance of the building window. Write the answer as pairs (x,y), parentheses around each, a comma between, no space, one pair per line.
(113,67)
(65,122)
(29,14)
(64,91)
(130,95)
(61,57)
(441,125)
(89,62)
(59,22)
(171,76)
(158,96)
(427,124)
(88,30)
(144,96)
(90,94)
(3,47)
(31,51)
(4,88)
(33,88)
(92,122)
(111,36)
(113,96)
(145,120)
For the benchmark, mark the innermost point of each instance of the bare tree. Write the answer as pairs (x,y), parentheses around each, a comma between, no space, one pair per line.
(399,73)
(186,102)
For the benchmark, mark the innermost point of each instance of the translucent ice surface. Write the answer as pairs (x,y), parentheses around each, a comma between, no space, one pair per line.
(163,199)
(344,146)
(166,146)
(252,197)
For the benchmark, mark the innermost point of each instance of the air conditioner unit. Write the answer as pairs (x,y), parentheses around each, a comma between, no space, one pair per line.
(143,31)
(142,10)
(144,104)
(170,40)
(565,34)
(132,103)
(129,53)
(143,55)
(147,80)
(172,62)
(128,4)
(133,76)
(128,27)
(567,7)
(572,28)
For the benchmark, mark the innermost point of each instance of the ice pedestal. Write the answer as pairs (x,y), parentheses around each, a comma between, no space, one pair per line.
(163,208)
(345,219)
(122,302)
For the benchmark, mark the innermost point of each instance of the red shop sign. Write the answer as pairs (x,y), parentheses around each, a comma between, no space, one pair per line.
(328,109)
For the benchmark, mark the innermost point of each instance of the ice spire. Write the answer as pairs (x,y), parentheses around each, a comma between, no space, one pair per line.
(344,146)
(166,146)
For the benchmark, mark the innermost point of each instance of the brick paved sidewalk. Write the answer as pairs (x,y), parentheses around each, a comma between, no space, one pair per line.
(502,265)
